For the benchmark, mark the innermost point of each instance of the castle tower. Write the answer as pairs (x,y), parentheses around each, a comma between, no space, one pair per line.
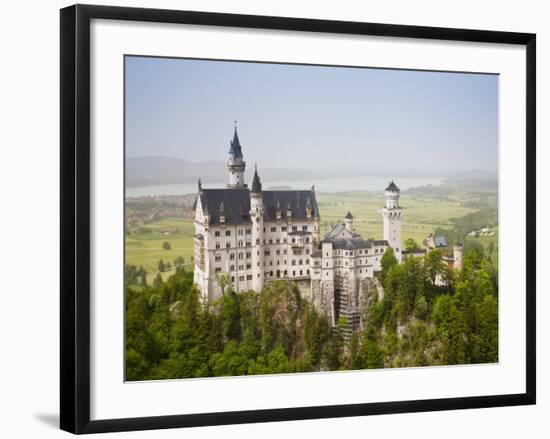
(391,215)
(458,252)
(257,218)
(348,220)
(236,164)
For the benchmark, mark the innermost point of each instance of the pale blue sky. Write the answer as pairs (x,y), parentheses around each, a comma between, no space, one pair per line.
(363,120)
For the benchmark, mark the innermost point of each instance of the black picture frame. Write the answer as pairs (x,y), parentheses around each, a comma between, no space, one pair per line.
(75,217)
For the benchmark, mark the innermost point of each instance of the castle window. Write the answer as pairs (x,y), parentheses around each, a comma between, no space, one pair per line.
(232,268)
(285,272)
(232,278)
(218,269)
(240,243)
(248,277)
(273,229)
(248,254)
(285,251)
(294,262)
(293,272)
(327,264)
(271,241)
(300,262)
(271,263)
(307,272)
(217,233)
(217,245)
(283,228)
(227,245)
(304,228)
(267,252)
(271,273)
(294,228)
(232,256)
(293,241)
(218,258)
(278,241)
(264,229)
(301,272)
(257,241)
(228,233)
(278,252)
(248,231)
(307,239)
(307,251)
(240,232)
(248,244)
(278,262)
(307,261)
(284,240)
(241,255)
(241,267)
(241,278)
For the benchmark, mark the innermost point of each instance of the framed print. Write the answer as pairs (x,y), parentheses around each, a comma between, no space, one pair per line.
(268,218)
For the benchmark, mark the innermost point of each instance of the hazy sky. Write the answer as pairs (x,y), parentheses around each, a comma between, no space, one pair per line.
(302,116)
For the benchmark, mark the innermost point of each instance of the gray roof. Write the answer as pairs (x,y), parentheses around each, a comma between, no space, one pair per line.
(236,204)
(441,241)
(392,187)
(235,146)
(349,215)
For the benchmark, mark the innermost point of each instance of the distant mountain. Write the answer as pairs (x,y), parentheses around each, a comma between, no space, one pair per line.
(154,170)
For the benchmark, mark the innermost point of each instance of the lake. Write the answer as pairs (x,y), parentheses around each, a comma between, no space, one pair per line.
(340,184)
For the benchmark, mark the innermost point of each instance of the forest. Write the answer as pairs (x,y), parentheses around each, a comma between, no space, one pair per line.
(170,333)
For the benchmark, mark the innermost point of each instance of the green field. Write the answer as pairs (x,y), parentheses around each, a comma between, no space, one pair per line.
(145,249)
(422,214)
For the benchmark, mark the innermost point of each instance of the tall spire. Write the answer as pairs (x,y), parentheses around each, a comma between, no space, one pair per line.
(235,145)
(256,183)
(236,164)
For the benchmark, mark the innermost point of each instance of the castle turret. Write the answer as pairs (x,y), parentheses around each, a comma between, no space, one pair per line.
(257,218)
(391,215)
(236,164)
(457,253)
(348,220)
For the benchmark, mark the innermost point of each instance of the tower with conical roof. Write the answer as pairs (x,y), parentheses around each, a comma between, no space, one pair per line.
(236,163)
(257,219)
(391,215)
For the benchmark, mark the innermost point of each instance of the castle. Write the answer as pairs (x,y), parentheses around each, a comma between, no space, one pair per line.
(257,236)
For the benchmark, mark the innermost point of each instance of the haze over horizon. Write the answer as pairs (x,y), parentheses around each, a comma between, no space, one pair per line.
(338,119)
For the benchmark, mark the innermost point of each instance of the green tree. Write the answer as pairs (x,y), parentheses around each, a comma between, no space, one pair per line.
(161,266)
(434,264)
(411,245)
(157,282)
(387,262)
(166,245)
(223,280)
(179,262)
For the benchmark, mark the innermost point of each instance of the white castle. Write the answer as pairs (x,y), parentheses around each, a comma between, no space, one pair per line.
(258,236)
